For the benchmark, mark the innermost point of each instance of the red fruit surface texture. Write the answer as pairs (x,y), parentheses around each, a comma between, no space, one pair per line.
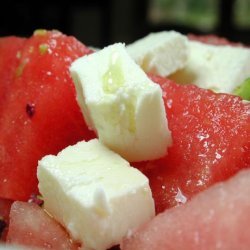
(31,226)
(211,142)
(40,115)
(217,218)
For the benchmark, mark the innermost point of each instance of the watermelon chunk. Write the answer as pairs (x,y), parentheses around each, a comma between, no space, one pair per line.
(211,142)
(41,115)
(31,226)
(217,218)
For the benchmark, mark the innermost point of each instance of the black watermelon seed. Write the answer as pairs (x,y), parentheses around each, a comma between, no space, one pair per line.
(30,109)
(2,226)
(37,199)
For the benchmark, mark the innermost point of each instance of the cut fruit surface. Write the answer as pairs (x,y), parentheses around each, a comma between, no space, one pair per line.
(31,226)
(40,115)
(217,218)
(211,142)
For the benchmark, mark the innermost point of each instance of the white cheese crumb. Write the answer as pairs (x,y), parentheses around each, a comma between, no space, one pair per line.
(161,53)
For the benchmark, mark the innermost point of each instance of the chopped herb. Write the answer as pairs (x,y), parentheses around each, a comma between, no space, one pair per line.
(20,68)
(30,109)
(40,32)
(43,48)
(244,90)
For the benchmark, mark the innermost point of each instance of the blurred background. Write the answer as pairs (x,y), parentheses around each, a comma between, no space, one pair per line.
(102,22)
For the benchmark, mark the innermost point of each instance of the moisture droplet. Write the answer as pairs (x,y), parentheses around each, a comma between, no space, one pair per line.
(180,197)
(169,103)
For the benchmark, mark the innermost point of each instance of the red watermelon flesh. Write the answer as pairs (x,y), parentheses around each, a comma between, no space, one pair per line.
(41,115)
(217,218)
(9,58)
(211,142)
(31,226)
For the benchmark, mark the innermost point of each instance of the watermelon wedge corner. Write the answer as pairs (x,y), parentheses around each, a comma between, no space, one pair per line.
(211,142)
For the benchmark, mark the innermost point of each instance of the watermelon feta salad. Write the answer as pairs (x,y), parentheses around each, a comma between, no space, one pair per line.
(191,194)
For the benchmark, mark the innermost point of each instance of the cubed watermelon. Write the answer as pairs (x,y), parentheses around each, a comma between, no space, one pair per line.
(211,142)
(217,218)
(31,226)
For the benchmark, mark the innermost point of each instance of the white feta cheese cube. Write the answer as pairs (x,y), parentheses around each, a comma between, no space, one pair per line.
(94,193)
(161,53)
(122,104)
(219,68)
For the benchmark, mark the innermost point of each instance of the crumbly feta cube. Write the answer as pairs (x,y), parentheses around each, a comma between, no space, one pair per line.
(94,193)
(122,104)
(161,53)
(219,68)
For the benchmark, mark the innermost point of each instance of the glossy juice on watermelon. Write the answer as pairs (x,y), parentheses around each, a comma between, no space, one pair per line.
(211,132)
(211,142)
(40,114)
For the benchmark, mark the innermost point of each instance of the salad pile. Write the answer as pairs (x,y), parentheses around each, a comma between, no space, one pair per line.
(39,115)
